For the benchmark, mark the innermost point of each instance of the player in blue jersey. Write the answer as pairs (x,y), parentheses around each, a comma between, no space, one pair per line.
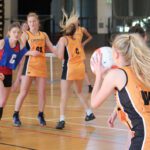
(11,52)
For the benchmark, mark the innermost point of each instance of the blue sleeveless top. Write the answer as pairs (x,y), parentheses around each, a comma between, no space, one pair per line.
(10,57)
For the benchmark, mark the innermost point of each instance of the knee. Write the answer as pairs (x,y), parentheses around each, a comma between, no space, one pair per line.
(23,92)
(3,103)
(79,92)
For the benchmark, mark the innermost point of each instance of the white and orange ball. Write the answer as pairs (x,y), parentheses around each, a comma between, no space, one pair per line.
(107,57)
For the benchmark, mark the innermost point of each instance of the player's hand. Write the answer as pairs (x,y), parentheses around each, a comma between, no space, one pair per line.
(2,77)
(111,119)
(35,53)
(132,134)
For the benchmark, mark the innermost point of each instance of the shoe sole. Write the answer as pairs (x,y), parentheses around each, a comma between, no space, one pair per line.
(42,125)
(17,125)
(91,119)
(60,128)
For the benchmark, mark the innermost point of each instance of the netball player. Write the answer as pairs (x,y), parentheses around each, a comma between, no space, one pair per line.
(70,50)
(34,68)
(138,30)
(11,53)
(79,34)
(131,81)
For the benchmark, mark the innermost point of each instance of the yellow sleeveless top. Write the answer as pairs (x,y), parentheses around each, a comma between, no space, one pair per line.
(36,66)
(75,50)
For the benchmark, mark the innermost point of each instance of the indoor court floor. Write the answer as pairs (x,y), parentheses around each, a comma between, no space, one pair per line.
(77,135)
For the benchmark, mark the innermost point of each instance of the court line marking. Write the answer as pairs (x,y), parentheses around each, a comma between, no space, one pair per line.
(64,135)
(54,106)
(12,145)
(81,124)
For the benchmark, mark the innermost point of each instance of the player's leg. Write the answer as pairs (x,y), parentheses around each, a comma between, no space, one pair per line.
(89,113)
(87,79)
(65,90)
(24,88)
(5,87)
(41,90)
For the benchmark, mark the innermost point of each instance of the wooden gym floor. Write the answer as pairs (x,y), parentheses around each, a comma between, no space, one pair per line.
(77,135)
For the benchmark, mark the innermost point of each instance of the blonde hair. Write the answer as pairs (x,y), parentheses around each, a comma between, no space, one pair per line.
(135,51)
(68,21)
(33,14)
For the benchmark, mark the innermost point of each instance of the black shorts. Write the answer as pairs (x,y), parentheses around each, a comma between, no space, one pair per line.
(64,70)
(7,81)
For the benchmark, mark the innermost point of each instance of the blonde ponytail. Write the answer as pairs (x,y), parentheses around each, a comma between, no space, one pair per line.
(135,51)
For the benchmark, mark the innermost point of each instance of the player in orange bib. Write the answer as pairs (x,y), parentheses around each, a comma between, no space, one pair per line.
(79,34)
(119,110)
(34,67)
(70,50)
(131,82)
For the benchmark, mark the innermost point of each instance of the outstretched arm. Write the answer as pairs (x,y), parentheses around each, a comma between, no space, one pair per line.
(49,45)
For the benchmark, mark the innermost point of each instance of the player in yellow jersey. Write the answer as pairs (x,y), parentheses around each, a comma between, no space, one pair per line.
(131,82)
(34,67)
(70,50)
(79,34)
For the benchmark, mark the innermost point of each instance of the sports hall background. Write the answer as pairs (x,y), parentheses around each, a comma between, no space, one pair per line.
(102,18)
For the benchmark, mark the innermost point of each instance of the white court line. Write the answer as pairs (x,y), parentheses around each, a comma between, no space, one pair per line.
(52,106)
(81,124)
(100,127)
(55,119)
(45,106)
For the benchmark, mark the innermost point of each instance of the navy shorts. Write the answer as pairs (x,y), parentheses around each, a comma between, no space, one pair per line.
(7,80)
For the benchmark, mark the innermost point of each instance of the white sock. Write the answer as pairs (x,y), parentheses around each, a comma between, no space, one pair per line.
(62,118)
(88,111)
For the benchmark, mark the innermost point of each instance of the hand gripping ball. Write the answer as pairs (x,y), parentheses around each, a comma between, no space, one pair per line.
(107,58)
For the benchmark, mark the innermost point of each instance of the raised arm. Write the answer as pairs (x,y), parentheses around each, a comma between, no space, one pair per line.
(115,78)
(88,35)
(102,89)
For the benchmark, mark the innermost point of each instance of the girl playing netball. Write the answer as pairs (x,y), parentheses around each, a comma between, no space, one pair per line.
(131,82)
(70,50)
(11,52)
(34,67)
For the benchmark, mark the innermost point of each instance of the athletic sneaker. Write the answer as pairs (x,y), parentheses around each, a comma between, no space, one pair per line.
(16,120)
(60,125)
(41,119)
(90,117)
